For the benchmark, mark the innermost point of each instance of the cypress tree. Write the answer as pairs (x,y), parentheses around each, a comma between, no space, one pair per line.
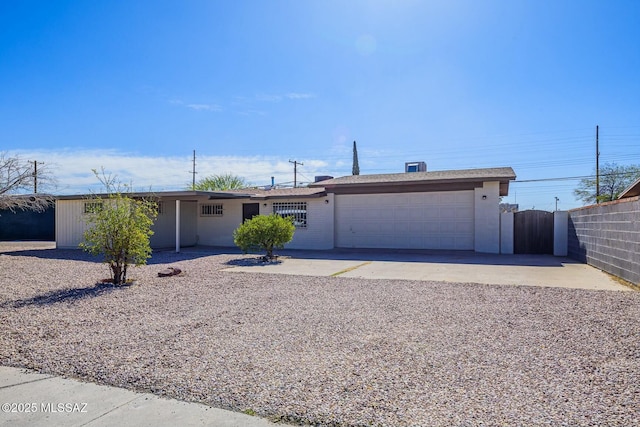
(356,168)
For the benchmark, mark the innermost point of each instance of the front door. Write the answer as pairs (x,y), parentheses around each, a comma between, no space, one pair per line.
(249,210)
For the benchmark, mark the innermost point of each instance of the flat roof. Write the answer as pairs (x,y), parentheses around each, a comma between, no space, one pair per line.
(389,182)
(247,193)
(502,174)
(179,194)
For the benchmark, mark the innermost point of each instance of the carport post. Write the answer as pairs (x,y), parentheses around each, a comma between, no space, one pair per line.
(177,226)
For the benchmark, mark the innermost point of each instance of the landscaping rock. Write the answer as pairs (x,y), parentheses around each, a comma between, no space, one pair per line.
(170,271)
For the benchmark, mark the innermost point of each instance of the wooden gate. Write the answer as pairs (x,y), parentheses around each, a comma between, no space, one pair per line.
(533,232)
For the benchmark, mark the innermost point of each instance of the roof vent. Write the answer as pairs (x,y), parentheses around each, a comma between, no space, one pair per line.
(319,178)
(415,167)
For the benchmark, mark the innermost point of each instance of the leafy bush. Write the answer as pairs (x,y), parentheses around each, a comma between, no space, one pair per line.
(119,229)
(264,232)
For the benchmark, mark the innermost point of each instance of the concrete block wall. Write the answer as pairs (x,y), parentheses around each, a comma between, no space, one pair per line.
(607,236)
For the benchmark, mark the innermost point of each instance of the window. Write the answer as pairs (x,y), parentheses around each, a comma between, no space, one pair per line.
(160,206)
(92,207)
(297,210)
(211,210)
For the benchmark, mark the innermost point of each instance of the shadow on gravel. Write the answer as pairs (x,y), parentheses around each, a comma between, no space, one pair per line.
(162,256)
(68,254)
(252,262)
(64,295)
(159,256)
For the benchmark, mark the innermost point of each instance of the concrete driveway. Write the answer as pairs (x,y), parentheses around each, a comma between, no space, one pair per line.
(446,266)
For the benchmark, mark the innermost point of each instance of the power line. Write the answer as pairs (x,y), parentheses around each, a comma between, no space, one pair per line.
(567,178)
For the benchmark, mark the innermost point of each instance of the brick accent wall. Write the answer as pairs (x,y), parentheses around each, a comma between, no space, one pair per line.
(607,236)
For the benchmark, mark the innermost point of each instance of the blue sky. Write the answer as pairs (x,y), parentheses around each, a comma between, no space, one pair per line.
(136,86)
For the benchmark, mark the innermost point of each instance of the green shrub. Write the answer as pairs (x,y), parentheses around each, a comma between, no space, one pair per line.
(119,229)
(266,232)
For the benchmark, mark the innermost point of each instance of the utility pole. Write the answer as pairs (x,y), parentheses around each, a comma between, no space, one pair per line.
(35,175)
(597,168)
(193,185)
(295,171)
(557,200)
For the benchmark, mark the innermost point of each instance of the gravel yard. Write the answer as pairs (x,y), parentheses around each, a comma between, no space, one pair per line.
(327,351)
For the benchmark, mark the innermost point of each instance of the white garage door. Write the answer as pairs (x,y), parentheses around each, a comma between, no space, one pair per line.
(438,220)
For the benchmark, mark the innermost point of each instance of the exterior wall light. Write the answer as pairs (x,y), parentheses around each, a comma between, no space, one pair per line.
(484,197)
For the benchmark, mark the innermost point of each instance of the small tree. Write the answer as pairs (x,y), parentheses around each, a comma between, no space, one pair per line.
(220,183)
(264,232)
(614,179)
(120,228)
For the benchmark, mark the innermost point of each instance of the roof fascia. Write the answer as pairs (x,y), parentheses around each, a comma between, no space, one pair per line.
(289,196)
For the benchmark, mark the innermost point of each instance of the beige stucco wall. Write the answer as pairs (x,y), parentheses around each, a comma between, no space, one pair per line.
(506,232)
(218,231)
(319,231)
(484,229)
(164,228)
(487,218)
(70,223)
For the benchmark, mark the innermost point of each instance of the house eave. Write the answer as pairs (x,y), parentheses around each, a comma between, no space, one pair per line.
(631,191)
(289,196)
(416,187)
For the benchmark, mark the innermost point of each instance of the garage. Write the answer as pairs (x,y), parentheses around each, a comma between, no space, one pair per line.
(441,210)
(436,220)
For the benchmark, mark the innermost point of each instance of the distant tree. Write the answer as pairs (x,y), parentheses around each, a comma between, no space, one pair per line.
(266,232)
(18,180)
(220,183)
(119,229)
(355,170)
(614,179)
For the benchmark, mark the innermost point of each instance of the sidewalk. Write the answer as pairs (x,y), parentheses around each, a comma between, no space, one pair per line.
(33,399)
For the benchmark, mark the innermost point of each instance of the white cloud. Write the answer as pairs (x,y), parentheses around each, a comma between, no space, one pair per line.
(196,107)
(252,112)
(268,98)
(289,95)
(73,169)
(204,107)
(295,95)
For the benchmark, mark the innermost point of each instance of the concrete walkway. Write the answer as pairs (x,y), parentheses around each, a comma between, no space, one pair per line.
(33,399)
(446,266)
